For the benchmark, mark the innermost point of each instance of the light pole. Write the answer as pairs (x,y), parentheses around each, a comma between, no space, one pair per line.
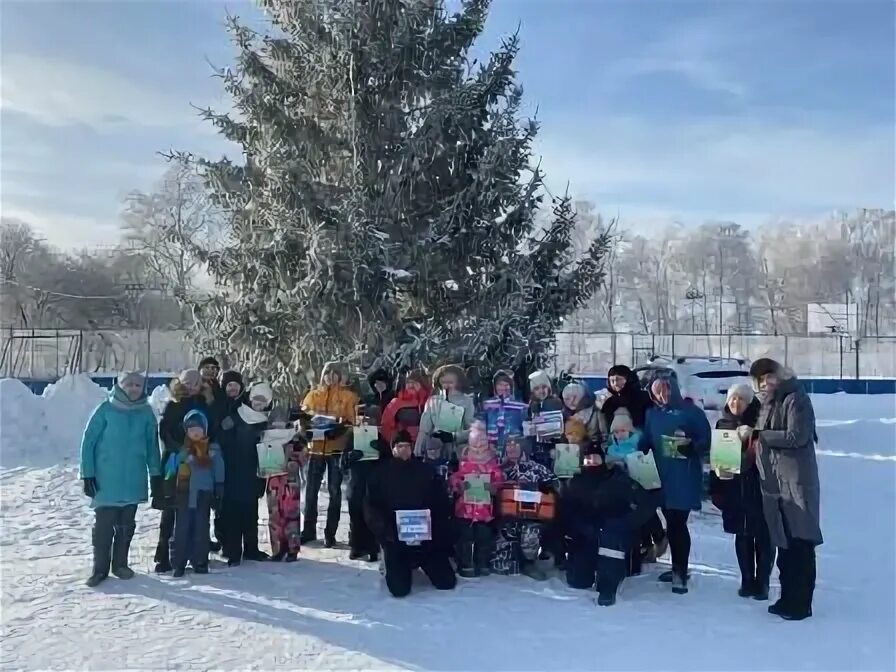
(693,295)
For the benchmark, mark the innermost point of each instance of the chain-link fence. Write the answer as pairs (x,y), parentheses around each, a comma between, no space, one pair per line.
(830,356)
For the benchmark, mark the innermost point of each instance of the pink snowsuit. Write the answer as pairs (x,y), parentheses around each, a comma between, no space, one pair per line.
(476,513)
(284,500)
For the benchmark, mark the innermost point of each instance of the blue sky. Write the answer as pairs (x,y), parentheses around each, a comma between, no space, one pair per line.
(658,110)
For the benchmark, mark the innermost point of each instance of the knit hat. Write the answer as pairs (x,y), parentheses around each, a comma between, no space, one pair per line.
(539,378)
(762,367)
(621,421)
(433,444)
(574,389)
(262,390)
(742,390)
(209,361)
(190,377)
(402,437)
(196,418)
(126,377)
(231,377)
(619,370)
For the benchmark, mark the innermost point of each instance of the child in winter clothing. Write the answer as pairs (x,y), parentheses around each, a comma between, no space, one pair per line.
(120,446)
(284,496)
(517,541)
(436,458)
(448,383)
(331,398)
(475,534)
(624,438)
(239,437)
(503,415)
(199,482)
(578,403)
(404,412)
(541,400)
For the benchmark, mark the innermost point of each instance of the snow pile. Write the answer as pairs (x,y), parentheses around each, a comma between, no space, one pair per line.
(40,431)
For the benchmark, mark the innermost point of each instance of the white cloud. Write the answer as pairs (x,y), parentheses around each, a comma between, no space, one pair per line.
(61,93)
(747,165)
(66,231)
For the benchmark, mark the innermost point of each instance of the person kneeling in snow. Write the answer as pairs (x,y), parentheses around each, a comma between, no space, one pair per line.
(199,487)
(120,445)
(603,511)
(401,484)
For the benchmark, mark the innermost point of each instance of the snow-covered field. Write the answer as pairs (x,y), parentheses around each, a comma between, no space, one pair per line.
(326,612)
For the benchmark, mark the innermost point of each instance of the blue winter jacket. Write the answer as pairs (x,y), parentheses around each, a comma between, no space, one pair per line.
(682,479)
(617,450)
(119,448)
(203,479)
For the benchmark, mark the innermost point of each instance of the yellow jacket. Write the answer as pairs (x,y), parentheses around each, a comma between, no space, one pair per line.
(339,402)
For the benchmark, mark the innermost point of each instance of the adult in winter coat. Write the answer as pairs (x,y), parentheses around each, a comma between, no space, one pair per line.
(188,393)
(210,369)
(383,390)
(625,392)
(602,511)
(361,540)
(334,399)
(739,498)
(405,411)
(448,384)
(503,414)
(119,448)
(679,435)
(401,483)
(239,437)
(788,473)
(226,402)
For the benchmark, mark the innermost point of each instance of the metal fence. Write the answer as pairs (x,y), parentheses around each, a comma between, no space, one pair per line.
(826,355)
(51,353)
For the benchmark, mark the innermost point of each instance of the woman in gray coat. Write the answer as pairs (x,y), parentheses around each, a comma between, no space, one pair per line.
(785,433)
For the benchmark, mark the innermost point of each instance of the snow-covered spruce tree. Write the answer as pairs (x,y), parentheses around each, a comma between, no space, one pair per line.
(385,209)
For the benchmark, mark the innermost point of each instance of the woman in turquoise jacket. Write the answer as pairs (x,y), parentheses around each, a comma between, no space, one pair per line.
(120,446)
(679,435)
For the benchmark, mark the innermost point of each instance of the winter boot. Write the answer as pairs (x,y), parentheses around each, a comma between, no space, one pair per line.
(308,537)
(466,563)
(162,567)
(760,591)
(660,547)
(374,556)
(355,554)
(279,556)
(292,557)
(256,555)
(330,541)
(748,588)
(666,577)
(179,572)
(120,548)
(796,614)
(606,599)
(200,569)
(679,583)
(234,562)
(96,579)
(744,548)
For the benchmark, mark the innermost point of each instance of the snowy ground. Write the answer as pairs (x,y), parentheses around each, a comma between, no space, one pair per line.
(326,612)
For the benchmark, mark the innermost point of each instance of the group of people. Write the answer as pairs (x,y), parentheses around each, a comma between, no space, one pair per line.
(439,482)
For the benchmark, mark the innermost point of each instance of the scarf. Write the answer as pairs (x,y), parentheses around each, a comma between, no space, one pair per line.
(199,451)
(121,401)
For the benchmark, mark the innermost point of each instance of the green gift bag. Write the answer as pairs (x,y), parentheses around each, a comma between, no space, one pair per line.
(670,446)
(567,460)
(476,489)
(725,451)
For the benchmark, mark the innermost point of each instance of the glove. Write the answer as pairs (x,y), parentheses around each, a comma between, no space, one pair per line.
(219,496)
(467,485)
(90,487)
(355,455)
(379,445)
(744,432)
(444,437)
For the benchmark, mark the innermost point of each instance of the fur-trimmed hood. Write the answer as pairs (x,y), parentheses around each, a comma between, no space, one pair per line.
(339,368)
(178,391)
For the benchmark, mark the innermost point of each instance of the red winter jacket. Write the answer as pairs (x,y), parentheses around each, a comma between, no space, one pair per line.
(403,413)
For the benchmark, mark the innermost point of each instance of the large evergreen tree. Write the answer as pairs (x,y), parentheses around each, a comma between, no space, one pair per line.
(385,208)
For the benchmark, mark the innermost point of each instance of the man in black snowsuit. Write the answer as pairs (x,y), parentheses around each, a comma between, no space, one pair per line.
(602,511)
(402,483)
